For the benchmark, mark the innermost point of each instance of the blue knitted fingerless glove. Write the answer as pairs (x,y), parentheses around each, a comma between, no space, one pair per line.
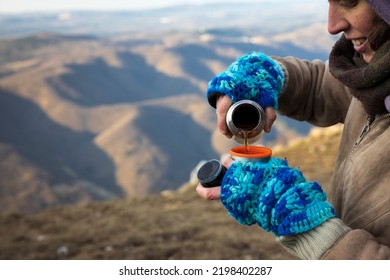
(273,195)
(254,76)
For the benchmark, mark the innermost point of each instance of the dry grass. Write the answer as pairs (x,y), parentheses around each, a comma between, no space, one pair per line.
(174,226)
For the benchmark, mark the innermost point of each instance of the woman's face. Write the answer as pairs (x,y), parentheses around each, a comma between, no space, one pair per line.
(356,19)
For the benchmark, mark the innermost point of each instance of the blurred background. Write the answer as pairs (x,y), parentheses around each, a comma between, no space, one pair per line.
(103,121)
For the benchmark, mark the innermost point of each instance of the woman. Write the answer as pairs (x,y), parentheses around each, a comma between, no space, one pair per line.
(352,88)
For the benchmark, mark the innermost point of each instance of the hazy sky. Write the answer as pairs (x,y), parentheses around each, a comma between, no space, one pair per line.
(67,5)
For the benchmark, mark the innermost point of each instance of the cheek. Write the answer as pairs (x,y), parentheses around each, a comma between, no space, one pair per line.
(365,20)
(364,23)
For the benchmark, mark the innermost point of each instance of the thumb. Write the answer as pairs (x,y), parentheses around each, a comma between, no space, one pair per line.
(226,160)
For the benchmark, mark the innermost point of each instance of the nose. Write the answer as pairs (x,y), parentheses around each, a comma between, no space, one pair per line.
(336,21)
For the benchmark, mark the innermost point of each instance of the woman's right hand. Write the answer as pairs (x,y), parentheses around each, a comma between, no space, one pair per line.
(222,106)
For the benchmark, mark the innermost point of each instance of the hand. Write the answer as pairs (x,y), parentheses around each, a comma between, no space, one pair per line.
(273,195)
(215,192)
(254,76)
(222,106)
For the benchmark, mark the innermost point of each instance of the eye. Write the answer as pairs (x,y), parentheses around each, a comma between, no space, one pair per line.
(348,3)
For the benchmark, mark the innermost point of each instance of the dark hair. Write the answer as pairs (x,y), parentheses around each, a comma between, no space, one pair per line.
(380,34)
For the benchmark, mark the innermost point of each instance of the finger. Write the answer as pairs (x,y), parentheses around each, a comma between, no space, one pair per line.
(222,106)
(270,117)
(226,160)
(208,193)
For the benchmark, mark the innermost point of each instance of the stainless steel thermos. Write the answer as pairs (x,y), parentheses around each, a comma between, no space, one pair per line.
(245,120)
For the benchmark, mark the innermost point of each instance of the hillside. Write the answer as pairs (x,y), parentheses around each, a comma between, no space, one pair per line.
(80,121)
(171,225)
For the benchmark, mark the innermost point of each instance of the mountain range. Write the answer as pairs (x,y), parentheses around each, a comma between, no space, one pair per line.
(90,113)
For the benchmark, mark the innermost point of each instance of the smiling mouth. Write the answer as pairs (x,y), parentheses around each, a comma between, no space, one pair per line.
(359,44)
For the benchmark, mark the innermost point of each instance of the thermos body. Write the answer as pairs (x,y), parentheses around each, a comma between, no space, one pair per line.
(245,119)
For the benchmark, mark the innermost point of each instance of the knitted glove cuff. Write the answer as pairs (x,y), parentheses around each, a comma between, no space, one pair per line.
(274,196)
(302,208)
(254,76)
(313,244)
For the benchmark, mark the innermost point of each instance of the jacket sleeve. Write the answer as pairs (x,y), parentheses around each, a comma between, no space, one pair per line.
(365,247)
(311,93)
(333,240)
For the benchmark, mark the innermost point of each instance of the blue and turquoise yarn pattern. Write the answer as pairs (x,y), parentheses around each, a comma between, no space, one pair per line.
(274,196)
(254,76)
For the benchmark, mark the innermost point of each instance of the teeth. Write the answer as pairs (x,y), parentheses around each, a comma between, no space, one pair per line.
(358,42)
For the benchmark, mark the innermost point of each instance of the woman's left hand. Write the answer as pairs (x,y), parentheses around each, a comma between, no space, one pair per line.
(215,192)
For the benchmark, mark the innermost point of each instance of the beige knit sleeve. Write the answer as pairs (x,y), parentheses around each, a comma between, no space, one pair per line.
(311,245)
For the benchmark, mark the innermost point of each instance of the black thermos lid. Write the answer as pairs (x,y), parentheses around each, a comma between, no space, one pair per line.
(211,173)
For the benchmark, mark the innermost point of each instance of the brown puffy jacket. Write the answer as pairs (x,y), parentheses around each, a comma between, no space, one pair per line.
(360,192)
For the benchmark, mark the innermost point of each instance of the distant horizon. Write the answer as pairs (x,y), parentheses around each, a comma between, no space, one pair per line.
(36,6)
